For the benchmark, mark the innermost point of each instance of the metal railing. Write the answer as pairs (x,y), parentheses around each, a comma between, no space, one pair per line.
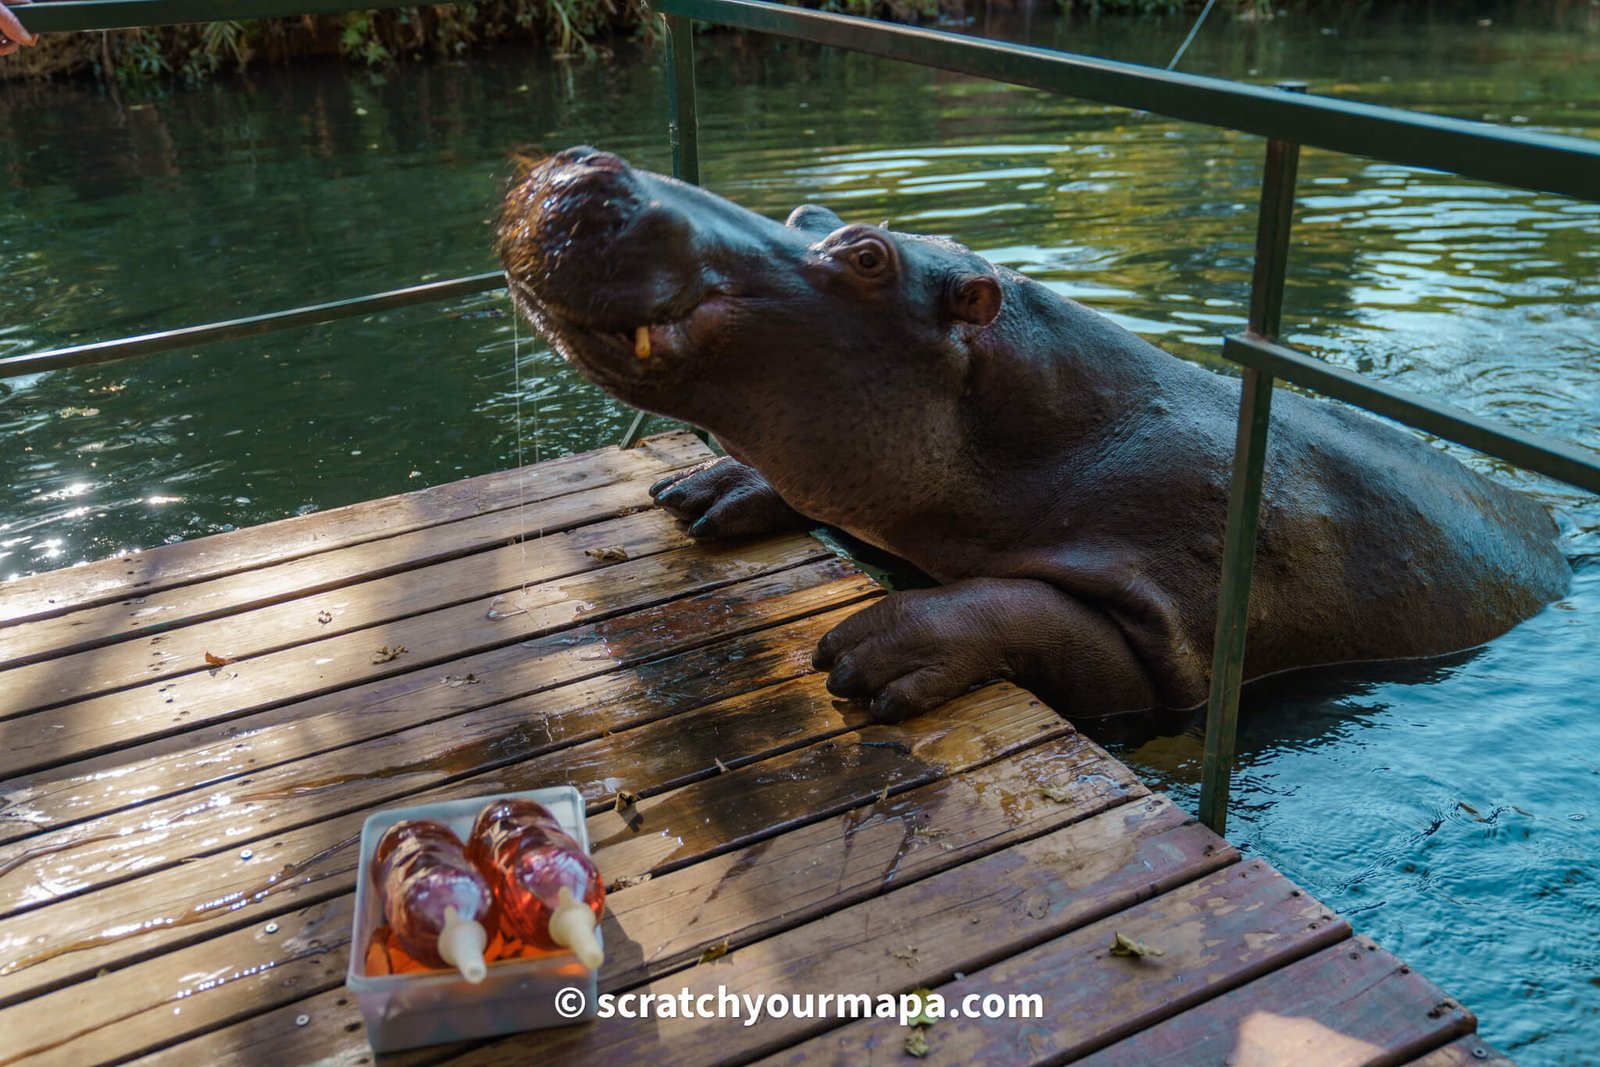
(1566,165)
(1288,119)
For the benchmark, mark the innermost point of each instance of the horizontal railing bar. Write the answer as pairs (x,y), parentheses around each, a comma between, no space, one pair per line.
(69,15)
(1548,162)
(1545,455)
(145,344)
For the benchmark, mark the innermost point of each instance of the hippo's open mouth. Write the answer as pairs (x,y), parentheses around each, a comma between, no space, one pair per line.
(634,276)
(650,346)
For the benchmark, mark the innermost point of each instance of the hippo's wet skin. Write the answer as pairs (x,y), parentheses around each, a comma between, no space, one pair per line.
(1064,480)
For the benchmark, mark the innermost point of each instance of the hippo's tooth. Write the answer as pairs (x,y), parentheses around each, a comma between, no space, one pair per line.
(641,342)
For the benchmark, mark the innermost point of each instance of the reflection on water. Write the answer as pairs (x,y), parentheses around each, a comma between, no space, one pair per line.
(1448,809)
(1450,812)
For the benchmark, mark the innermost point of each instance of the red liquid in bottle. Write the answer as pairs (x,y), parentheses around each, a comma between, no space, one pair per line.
(437,903)
(548,890)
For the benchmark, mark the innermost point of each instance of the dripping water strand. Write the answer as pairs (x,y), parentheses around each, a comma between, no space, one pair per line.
(522,468)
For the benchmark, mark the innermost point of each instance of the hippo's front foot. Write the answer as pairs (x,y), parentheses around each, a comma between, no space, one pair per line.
(725,498)
(917,649)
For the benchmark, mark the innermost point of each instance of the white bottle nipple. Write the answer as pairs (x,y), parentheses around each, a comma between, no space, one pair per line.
(461,944)
(572,926)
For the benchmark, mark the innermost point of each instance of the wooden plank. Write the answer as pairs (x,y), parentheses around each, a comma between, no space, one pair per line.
(214,887)
(827,778)
(751,893)
(306,621)
(187,702)
(157,614)
(656,756)
(141,572)
(145,773)
(377,773)
(1470,1051)
(1215,934)
(862,850)
(50,867)
(1351,1005)
(332,1035)
(119,1014)
(48,947)
(917,935)
(124,1013)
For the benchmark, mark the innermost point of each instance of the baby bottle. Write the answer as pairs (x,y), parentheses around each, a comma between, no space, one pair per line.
(548,890)
(434,898)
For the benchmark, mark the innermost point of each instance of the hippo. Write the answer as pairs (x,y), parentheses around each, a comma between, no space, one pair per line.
(1063,481)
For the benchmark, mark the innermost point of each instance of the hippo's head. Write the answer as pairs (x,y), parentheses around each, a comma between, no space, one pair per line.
(682,303)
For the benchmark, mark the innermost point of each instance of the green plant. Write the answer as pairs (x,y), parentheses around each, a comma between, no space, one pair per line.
(140,57)
(218,41)
(360,40)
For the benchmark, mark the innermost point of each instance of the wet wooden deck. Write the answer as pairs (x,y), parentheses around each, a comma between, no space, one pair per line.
(177,835)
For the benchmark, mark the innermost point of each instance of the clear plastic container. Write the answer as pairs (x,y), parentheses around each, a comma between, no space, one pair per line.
(409,1010)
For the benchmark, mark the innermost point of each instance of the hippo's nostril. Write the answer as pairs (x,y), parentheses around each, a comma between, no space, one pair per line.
(575,154)
(606,161)
(590,157)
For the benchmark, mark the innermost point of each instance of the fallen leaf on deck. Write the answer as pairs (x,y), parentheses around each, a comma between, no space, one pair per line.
(908,954)
(714,952)
(609,554)
(922,1018)
(628,881)
(1057,794)
(917,1043)
(385,654)
(455,681)
(324,617)
(1127,946)
(627,808)
(218,661)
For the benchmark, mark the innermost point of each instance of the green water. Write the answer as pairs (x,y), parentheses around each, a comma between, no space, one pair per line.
(1451,810)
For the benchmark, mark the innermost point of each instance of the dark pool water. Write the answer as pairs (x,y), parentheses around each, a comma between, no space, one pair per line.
(1451,810)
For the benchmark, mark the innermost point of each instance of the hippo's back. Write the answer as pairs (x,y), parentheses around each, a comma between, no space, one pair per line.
(1376,545)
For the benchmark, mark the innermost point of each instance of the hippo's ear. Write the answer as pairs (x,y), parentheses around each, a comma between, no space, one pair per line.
(814,219)
(975,299)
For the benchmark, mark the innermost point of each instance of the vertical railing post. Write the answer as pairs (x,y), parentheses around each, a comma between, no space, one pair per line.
(1244,492)
(683,130)
(682,126)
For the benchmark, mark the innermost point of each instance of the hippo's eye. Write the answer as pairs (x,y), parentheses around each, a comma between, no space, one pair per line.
(869,257)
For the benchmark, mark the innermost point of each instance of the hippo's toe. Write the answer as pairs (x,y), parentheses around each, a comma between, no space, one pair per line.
(725,498)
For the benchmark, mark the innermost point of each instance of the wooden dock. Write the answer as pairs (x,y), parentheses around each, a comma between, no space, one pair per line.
(193,735)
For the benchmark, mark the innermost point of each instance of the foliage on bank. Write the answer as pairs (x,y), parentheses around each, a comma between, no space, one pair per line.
(194,52)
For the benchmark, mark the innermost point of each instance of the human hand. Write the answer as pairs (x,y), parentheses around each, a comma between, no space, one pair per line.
(12,35)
